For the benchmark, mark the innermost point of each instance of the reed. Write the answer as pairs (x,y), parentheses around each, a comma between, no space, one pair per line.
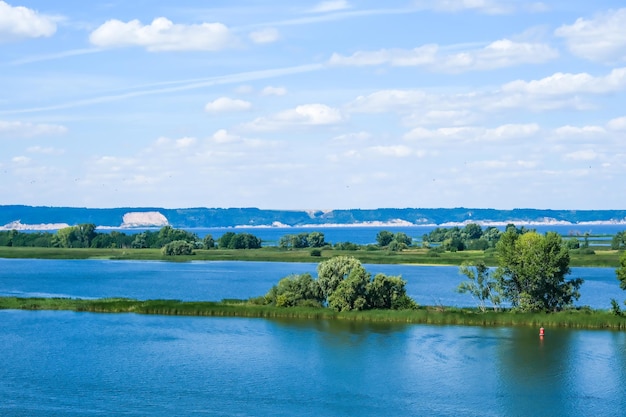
(579,319)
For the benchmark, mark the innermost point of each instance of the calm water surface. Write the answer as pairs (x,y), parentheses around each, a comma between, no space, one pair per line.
(191,281)
(83,364)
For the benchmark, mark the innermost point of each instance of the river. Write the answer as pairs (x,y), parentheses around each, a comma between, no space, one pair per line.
(82,364)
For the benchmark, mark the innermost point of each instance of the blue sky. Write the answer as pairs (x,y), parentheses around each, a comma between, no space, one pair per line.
(313,105)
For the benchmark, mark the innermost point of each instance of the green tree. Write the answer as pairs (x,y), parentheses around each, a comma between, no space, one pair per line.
(471,231)
(351,293)
(332,272)
(384,238)
(295,290)
(618,241)
(385,292)
(480,285)
(532,269)
(316,240)
(621,271)
(224,241)
(208,242)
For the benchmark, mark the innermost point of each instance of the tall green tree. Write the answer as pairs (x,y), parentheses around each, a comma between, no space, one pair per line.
(480,284)
(532,270)
(351,293)
(384,238)
(621,271)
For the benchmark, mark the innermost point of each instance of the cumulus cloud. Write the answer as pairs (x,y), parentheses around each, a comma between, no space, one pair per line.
(598,39)
(21,22)
(304,115)
(226,104)
(330,6)
(162,35)
(499,54)
(26,130)
(268,35)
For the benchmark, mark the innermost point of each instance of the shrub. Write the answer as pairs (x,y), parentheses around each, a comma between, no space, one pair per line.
(178,247)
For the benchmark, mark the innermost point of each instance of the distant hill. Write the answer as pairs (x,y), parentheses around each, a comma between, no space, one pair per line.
(38,217)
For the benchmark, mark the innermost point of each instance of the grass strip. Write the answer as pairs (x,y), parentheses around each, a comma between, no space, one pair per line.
(576,318)
(600,258)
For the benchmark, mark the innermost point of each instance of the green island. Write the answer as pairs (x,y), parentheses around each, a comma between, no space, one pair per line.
(517,277)
(575,318)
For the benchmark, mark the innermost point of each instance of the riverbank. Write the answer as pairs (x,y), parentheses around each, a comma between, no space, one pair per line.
(598,258)
(439,315)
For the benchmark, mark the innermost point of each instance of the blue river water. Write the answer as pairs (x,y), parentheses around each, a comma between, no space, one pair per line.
(83,364)
(217,280)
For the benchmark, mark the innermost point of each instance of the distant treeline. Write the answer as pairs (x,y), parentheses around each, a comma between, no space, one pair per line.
(470,237)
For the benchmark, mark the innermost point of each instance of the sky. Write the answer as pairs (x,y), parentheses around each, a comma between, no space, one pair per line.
(338,104)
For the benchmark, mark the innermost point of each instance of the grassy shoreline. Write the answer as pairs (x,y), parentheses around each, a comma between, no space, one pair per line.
(601,258)
(576,319)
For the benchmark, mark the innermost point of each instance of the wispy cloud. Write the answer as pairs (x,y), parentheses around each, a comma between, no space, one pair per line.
(51,57)
(499,54)
(174,86)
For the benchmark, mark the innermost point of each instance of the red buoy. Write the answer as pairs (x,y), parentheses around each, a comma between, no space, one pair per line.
(541,332)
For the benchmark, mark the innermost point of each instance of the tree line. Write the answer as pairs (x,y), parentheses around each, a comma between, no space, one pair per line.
(452,239)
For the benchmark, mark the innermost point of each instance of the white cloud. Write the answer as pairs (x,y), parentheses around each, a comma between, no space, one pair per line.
(601,38)
(20,160)
(481,6)
(223,136)
(499,54)
(163,35)
(226,104)
(569,131)
(422,55)
(582,155)
(26,130)
(268,35)
(618,123)
(330,6)
(561,83)
(303,115)
(20,22)
(398,151)
(273,91)
(356,136)
(468,134)
(45,150)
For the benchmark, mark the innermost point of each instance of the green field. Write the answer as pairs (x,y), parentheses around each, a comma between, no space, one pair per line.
(600,257)
(582,318)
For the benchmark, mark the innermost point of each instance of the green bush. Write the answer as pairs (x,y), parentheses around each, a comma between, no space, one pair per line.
(177,247)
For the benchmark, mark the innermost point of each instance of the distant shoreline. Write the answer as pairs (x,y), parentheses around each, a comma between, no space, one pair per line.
(17,225)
